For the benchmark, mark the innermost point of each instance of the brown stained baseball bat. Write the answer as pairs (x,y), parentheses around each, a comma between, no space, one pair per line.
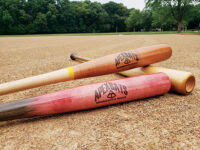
(104,65)
(182,82)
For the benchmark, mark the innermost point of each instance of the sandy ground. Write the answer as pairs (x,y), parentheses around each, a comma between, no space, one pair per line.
(166,122)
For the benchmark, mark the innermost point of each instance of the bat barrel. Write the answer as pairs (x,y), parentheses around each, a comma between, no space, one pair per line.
(88,97)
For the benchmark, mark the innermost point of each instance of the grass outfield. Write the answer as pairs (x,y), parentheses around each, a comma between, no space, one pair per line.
(110,33)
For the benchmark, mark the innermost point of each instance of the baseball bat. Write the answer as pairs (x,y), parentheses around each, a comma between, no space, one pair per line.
(88,97)
(100,66)
(182,82)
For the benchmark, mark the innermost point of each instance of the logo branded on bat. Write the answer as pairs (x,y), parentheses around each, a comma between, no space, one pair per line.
(110,91)
(125,59)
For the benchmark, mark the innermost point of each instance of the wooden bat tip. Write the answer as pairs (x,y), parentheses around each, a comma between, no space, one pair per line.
(72,56)
(190,83)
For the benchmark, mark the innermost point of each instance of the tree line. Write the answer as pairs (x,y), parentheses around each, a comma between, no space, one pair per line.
(64,16)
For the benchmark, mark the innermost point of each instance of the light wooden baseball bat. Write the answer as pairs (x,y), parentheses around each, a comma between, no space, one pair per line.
(182,82)
(100,66)
(87,97)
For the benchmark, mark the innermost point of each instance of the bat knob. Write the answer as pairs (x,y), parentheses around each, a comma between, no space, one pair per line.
(72,56)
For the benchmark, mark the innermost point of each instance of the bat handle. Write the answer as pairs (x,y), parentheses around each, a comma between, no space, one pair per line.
(74,56)
(36,81)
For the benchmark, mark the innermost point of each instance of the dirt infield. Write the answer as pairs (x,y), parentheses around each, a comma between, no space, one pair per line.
(166,122)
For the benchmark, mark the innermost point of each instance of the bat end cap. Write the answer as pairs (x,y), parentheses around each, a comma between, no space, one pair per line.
(72,56)
(190,84)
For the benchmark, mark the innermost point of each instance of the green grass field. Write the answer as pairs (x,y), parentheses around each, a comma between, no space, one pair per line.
(112,33)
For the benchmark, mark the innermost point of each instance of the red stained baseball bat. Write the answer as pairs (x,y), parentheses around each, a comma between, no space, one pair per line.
(88,97)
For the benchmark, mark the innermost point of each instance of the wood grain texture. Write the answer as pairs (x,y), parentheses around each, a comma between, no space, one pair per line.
(101,66)
(88,97)
(35,81)
(183,82)
(122,61)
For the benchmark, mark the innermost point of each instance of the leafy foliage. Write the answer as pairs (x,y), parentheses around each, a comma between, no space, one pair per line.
(64,16)
(134,20)
(176,9)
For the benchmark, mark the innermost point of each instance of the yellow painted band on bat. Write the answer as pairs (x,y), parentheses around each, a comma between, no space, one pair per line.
(71,72)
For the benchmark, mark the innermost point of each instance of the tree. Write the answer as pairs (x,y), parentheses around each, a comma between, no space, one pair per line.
(117,14)
(51,16)
(146,19)
(134,20)
(60,16)
(7,20)
(67,16)
(161,18)
(98,18)
(194,15)
(41,23)
(177,8)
